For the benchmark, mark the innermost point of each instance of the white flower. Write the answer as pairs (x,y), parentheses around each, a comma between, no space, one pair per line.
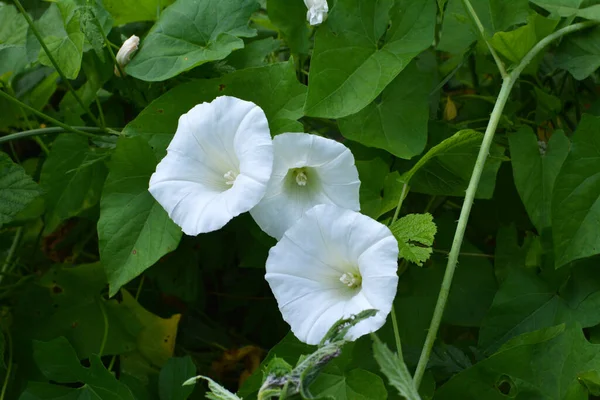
(126,52)
(331,264)
(308,170)
(217,165)
(317,11)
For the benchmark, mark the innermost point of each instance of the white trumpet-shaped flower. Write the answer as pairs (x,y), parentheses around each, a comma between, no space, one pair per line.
(308,170)
(331,264)
(125,53)
(217,165)
(317,11)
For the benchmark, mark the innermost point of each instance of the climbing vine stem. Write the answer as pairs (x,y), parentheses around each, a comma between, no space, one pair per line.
(507,85)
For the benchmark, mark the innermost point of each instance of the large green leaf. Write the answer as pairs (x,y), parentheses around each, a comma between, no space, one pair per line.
(397,122)
(59,363)
(570,8)
(17,189)
(576,199)
(544,364)
(134,231)
(190,33)
(289,16)
(356,56)
(274,88)
(60,28)
(13,35)
(447,167)
(459,31)
(72,178)
(126,11)
(535,169)
(353,384)
(174,373)
(580,53)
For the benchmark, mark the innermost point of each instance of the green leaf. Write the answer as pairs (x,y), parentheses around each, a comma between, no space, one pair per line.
(172,377)
(289,16)
(575,203)
(579,53)
(217,392)
(72,178)
(356,384)
(253,54)
(535,170)
(351,65)
(127,11)
(415,234)
(393,367)
(13,35)
(59,363)
(134,231)
(60,28)
(446,168)
(274,88)
(92,29)
(398,121)
(458,29)
(379,189)
(190,33)
(17,189)
(570,8)
(540,365)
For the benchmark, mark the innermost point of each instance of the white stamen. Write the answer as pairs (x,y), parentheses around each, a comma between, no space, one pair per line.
(230,177)
(351,280)
(301,178)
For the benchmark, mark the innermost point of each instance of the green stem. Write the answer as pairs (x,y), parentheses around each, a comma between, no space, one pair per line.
(10,362)
(399,206)
(480,28)
(488,138)
(105,335)
(81,130)
(53,61)
(11,252)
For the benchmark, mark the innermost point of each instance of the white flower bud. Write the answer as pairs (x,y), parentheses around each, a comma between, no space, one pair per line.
(317,11)
(126,52)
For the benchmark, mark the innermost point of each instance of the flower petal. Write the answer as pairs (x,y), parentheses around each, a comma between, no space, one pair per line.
(332,178)
(305,267)
(217,165)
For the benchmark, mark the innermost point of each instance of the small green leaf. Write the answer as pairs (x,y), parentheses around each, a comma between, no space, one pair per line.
(591,380)
(72,178)
(446,168)
(254,54)
(17,189)
(361,48)
(338,331)
(393,367)
(134,231)
(379,189)
(190,33)
(173,375)
(217,392)
(398,121)
(13,36)
(415,234)
(575,205)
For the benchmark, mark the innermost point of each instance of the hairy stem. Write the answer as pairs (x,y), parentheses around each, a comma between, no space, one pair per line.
(488,138)
(53,61)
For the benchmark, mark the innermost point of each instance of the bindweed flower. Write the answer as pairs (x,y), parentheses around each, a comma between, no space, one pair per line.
(125,53)
(331,264)
(217,165)
(317,11)
(308,170)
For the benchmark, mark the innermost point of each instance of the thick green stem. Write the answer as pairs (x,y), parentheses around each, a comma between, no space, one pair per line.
(53,61)
(488,138)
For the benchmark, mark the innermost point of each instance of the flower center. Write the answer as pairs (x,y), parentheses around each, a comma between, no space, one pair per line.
(351,279)
(300,176)
(230,177)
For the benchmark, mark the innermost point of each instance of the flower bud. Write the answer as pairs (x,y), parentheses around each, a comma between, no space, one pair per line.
(317,11)
(125,53)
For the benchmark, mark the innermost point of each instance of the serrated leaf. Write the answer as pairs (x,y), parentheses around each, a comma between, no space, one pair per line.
(447,167)
(575,202)
(398,121)
(217,392)
(356,56)
(17,189)
(190,33)
(274,88)
(415,234)
(72,178)
(134,231)
(393,367)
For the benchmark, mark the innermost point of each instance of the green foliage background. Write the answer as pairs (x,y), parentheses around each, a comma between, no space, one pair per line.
(104,298)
